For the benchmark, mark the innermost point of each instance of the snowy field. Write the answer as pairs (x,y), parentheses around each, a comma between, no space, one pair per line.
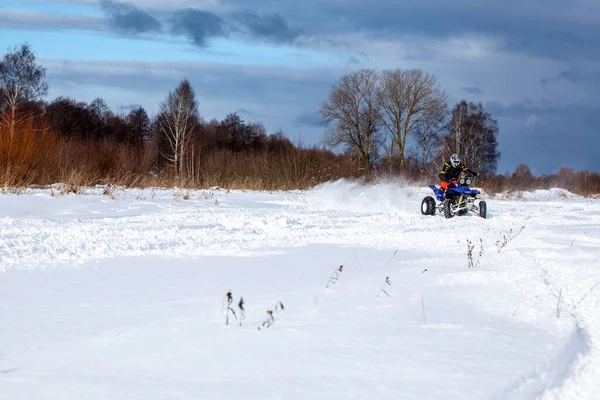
(123,298)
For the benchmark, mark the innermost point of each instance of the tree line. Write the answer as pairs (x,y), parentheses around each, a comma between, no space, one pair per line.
(174,130)
(175,143)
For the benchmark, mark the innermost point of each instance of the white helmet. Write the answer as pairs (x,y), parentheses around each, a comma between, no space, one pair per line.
(455,160)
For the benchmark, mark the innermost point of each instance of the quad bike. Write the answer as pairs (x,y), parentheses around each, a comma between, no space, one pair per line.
(458,199)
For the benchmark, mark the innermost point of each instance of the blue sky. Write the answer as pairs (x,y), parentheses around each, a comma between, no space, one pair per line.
(534,64)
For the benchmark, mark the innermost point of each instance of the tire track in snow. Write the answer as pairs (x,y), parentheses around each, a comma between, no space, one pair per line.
(569,274)
(560,251)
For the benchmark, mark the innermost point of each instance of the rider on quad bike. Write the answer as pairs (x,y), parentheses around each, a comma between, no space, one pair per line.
(450,172)
(455,195)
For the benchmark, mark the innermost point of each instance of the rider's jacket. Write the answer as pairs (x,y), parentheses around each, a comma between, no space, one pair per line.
(450,173)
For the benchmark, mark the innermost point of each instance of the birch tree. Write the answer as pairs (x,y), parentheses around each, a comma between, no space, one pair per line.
(22,81)
(352,116)
(177,120)
(409,100)
(473,134)
(427,134)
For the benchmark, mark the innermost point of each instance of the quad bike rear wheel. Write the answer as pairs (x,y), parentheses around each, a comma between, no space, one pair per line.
(428,206)
(483,209)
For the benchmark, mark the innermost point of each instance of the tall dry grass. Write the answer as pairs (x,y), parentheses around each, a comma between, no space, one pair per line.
(287,169)
(583,183)
(35,155)
(22,152)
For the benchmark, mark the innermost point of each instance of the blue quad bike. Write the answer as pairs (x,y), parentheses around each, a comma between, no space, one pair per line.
(458,200)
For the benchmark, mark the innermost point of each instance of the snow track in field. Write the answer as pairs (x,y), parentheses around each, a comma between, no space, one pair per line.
(212,226)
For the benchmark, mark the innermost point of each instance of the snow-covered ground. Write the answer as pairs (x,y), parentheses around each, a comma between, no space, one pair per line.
(123,298)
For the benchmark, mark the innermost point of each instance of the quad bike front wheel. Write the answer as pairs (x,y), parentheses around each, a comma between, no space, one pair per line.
(428,206)
(447,206)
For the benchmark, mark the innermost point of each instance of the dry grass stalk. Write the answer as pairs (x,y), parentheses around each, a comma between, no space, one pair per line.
(382,290)
(229,309)
(242,310)
(470,247)
(393,255)
(335,276)
(502,243)
(585,295)
(270,317)
(355,256)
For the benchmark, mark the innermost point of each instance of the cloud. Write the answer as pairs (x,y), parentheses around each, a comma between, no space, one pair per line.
(309,119)
(536,27)
(20,19)
(245,84)
(472,90)
(243,111)
(547,136)
(269,26)
(574,76)
(198,25)
(128,18)
(353,60)
(128,107)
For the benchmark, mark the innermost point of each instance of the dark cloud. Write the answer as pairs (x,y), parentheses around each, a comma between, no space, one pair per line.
(128,18)
(546,150)
(310,119)
(519,110)
(268,26)
(574,76)
(128,107)
(198,25)
(548,137)
(472,90)
(537,27)
(244,111)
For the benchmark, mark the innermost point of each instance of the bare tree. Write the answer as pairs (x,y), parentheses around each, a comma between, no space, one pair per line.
(177,119)
(409,101)
(472,133)
(352,108)
(427,133)
(100,114)
(238,136)
(22,81)
(138,123)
